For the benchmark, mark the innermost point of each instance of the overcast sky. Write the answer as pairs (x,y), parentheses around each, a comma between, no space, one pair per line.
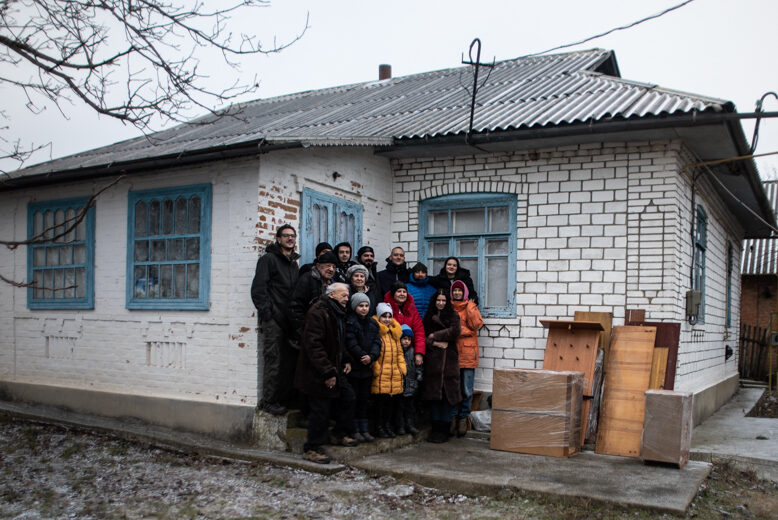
(718,48)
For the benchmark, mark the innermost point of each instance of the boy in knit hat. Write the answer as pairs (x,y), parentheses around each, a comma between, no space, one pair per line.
(406,415)
(363,343)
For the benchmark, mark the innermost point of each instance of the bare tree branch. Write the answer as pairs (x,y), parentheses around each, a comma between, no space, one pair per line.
(138,61)
(67,226)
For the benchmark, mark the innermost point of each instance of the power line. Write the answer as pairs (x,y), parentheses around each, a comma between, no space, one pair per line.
(621,28)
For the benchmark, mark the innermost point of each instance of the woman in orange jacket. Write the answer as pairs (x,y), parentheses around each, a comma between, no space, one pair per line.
(467,345)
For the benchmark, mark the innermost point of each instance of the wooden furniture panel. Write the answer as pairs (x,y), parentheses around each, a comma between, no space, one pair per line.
(627,376)
(572,346)
(658,369)
(668,333)
(603,318)
(635,317)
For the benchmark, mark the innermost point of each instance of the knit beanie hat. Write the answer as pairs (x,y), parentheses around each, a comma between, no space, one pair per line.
(358,268)
(321,246)
(419,267)
(326,258)
(397,285)
(364,249)
(461,285)
(383,308)
(407,330)
(358,298)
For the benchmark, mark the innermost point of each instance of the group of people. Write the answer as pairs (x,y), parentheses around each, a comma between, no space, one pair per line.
(338,335)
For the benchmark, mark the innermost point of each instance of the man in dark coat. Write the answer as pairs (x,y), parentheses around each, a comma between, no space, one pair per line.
(311,285)
(321,370)
(343,252)
(366,257)
(274,279)
(395,271)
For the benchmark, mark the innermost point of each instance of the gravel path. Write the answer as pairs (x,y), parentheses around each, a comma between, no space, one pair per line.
(48,472)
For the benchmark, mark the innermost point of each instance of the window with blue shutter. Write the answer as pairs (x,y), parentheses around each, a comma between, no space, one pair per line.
(169,248)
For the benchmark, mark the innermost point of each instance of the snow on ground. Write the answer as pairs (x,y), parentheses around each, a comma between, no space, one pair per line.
(49,472)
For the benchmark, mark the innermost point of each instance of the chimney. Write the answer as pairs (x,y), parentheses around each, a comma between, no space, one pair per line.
(384,72)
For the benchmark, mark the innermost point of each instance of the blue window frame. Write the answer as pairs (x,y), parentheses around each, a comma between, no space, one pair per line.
(61,266)
(700,248)
(329,219)
(730,267)
(169,248)
(480,230)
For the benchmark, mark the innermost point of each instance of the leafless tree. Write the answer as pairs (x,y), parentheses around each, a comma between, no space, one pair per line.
(138,61)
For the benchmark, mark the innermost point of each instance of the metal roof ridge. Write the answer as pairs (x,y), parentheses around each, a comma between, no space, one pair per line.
(656,87)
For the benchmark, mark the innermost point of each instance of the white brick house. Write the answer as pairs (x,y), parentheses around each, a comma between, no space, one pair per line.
(579,180)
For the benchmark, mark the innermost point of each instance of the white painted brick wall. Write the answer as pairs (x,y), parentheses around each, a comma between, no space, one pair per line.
(601,227)
(220,352)
(621,242)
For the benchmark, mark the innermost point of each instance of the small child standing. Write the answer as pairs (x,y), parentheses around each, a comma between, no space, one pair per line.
(467,347)
(388,370)
(363,342)
(406,420)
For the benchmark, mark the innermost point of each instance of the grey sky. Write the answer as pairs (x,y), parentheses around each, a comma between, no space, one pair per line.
(718,48)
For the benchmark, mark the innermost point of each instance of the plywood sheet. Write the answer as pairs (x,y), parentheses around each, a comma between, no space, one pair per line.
(635,316)
(668,334)
(627,376)
(658,369)
(572,346)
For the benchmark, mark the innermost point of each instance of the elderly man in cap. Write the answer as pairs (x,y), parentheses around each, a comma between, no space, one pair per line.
(321,370)
(321,247)
(274,279)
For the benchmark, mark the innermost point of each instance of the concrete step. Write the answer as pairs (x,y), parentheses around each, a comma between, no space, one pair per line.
(283,433)
(751,383)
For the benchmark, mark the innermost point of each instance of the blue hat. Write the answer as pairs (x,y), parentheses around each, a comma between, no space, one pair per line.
(407,330)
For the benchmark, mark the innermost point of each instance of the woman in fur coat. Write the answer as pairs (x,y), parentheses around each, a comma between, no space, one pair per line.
(440,385)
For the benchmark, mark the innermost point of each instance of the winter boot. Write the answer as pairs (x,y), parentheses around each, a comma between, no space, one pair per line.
(410,427)
(365,431)
(400,423)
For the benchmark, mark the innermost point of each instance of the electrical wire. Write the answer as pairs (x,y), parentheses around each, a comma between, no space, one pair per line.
(712,175)
(621,28)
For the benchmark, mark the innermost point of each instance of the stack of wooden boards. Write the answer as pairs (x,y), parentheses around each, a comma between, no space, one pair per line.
(617,371)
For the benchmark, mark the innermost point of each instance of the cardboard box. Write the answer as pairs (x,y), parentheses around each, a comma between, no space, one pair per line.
(537,411)
(667,429)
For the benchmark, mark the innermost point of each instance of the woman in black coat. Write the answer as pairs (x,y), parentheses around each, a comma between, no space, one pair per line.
(440,385)
(451,272)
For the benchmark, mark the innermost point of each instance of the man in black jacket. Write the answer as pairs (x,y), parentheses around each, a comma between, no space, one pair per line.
(310,286)
(396,271)
(274,280)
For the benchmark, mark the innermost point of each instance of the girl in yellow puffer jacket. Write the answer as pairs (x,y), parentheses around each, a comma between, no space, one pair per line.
(388,370)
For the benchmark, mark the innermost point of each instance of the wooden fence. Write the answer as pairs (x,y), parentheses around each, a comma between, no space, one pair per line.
(754,343)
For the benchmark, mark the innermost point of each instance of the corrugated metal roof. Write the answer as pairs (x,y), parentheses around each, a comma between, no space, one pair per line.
(760,255)
(520,93)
